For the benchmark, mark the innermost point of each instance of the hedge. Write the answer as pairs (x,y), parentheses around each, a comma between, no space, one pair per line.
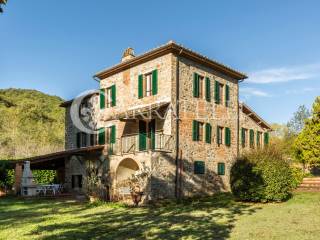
(263,175)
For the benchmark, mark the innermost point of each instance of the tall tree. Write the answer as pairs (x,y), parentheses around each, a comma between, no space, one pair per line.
(296,123)
(307,144)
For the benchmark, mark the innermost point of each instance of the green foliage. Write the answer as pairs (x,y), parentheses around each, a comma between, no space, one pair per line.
(44,176)
(262,175)
(31,123)
(6,175)
(307,144)
(298,175)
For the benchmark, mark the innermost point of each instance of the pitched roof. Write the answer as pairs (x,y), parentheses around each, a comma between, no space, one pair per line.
(170,47)
(254,116)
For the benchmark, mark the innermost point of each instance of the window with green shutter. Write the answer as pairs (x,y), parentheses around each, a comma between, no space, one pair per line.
(251,138)
(266,138)
(102,98)
(258,138)
(227,136)
(140,86)
(221,169)
(101,136)
(208,133)
(199,167)
(154,82)
(217,92)
(195,130)
(195,85)
(243,137)
(227,96)
(208,89)
(113,95)
(219,135)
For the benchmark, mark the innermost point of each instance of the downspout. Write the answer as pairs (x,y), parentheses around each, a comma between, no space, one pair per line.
(238,122)
(178,160)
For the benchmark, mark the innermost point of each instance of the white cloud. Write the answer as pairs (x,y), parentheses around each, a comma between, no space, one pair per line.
(285,74)
(301,91)
(247,92)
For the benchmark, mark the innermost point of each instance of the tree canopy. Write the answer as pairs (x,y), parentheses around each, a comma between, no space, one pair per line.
(307,144)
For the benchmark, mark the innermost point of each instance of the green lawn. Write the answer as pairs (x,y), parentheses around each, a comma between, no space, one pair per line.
(217,217)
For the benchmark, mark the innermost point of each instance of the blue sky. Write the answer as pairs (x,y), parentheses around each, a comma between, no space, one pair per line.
(56,46)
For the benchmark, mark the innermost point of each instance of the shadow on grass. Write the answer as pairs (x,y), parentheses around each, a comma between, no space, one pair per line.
(201,218)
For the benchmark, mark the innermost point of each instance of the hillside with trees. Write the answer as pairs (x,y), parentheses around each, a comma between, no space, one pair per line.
(31,123)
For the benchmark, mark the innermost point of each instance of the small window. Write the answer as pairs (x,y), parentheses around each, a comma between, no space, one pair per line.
(221,93)
(251,138)
(200,131)
(147,85)
(221,169)
(81,139)
(219,135)
(109,97)
(199,167)
(93,139)
(244,138)
(201,86)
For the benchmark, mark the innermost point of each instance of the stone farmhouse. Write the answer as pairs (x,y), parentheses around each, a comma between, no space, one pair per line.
(171,111)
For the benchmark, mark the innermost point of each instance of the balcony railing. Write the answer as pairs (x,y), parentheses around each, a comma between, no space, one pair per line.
(131,144)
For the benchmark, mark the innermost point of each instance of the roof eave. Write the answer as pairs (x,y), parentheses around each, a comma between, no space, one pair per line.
(170,48)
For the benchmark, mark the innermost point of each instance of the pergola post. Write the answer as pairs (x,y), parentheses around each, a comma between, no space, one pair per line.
(17,178)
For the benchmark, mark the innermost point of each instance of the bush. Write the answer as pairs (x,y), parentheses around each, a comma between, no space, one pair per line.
(298,175)
(261,176)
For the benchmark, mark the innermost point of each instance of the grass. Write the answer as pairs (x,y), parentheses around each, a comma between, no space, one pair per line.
(218,217)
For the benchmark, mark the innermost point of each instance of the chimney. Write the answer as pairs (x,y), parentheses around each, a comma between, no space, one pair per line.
(127,54)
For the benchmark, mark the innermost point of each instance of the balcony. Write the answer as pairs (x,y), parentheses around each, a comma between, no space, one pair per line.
(131,144)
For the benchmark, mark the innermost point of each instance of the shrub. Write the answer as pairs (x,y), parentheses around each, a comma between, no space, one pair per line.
(298,175)
(261,176)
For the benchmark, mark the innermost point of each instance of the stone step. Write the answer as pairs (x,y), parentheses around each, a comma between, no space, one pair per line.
(311,178)
(310,185)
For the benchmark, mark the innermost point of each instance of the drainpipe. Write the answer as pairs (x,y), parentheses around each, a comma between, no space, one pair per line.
(238,121)
(178,160)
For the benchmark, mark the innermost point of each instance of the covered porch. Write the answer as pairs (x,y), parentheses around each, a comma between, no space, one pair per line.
(59,162)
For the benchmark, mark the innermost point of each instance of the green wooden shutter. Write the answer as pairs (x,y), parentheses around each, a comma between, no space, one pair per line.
(102,136)
(221,169)
(113,95)
(243,137)
(142,135)
(258,139)
(155,82)
(208,133)
(113,134)
(251,138)
(152,129)
(140,86)
(199,167)
(208,91)
(102,98)
(227,95)
(216,92)
(227,136)
(195,85)
(195,130)
(266,138)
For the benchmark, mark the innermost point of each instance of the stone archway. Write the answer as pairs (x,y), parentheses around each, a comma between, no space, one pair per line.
(126,168)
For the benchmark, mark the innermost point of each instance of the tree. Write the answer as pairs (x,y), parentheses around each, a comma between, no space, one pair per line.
(307,144)
(296,123)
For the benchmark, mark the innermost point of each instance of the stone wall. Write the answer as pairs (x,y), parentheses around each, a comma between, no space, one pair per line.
(248,123)
(192,108)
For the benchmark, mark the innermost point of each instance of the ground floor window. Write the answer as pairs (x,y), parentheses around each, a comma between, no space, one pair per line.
(76,181)
(221,168)
(199,167)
